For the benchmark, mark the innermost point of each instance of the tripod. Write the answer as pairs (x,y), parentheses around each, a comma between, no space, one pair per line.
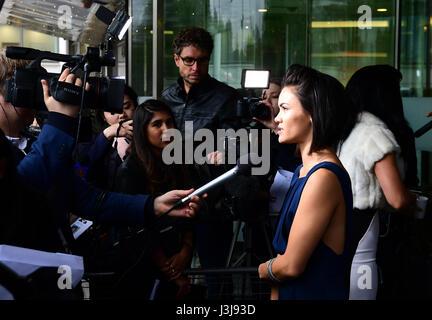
(249,253)
(249,258)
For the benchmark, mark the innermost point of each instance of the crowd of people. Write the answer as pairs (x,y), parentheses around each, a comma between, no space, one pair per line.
(351,151)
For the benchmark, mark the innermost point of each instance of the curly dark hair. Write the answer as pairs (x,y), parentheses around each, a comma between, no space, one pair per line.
(193,36)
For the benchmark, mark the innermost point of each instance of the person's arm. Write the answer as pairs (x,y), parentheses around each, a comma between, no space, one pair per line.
(54,144)
(180,259)
(97,149)
(321,200)
(392,185)
(48,157)
(124,209)
(105,138)
(48,153)
(171,273)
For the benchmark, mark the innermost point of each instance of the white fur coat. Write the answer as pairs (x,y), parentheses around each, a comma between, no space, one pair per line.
(369,142)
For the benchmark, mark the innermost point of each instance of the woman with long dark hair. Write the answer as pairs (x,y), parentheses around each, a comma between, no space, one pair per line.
(144,171)
(379,155)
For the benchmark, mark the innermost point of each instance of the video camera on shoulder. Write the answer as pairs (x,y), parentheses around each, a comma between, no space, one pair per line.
(250,106)
(25,89)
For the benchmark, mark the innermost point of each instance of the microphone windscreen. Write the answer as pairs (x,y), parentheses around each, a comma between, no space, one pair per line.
(22,53)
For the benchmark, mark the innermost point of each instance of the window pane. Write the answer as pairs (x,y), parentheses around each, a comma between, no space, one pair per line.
(141,37)
(40,41)
(255,34)
(415,44)
(9,36)
(345,36)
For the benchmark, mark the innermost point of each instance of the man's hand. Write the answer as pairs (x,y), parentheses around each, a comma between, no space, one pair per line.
(60,107)
(269,123)
(165,202)
(429,114)
(216,158)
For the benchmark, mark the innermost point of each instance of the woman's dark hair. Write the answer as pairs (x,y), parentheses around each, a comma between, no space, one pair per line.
(141,147)
(99,124)
(276,80)
(323,97)
(128,91)
(376,89)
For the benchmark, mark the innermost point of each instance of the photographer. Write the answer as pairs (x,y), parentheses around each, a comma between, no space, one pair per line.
(46,170)
(112,133)
(13,120)
(283,156)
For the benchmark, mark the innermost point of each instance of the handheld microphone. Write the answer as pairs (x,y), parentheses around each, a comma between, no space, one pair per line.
(423,129)
(243,167)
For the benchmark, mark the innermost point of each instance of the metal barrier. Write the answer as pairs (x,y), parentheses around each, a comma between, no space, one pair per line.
(240,283)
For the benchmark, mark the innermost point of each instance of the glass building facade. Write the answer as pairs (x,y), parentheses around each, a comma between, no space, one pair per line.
(333,36)
(336,37)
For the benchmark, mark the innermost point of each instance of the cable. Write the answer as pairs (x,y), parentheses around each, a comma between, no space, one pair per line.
(82,103)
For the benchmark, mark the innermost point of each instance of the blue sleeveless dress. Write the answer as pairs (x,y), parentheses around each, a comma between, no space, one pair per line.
(324,275)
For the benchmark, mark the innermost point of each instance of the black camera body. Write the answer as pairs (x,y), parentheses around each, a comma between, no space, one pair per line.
(250,107)
(25,88)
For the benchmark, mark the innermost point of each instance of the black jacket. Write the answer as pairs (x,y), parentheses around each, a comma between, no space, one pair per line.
(210,104)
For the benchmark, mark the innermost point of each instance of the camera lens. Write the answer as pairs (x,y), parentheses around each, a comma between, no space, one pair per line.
(259,110)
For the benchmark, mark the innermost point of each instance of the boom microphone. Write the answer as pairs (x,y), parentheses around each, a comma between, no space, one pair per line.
(22,53)
(32,54)
(423,129)
(244,165)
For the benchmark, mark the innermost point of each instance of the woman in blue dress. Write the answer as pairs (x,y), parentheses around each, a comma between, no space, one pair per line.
(313,229)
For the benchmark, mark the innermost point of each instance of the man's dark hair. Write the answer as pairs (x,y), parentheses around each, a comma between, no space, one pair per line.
(193,36)
(324,98)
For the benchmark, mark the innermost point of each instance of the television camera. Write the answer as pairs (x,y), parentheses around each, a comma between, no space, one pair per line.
(24,89)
